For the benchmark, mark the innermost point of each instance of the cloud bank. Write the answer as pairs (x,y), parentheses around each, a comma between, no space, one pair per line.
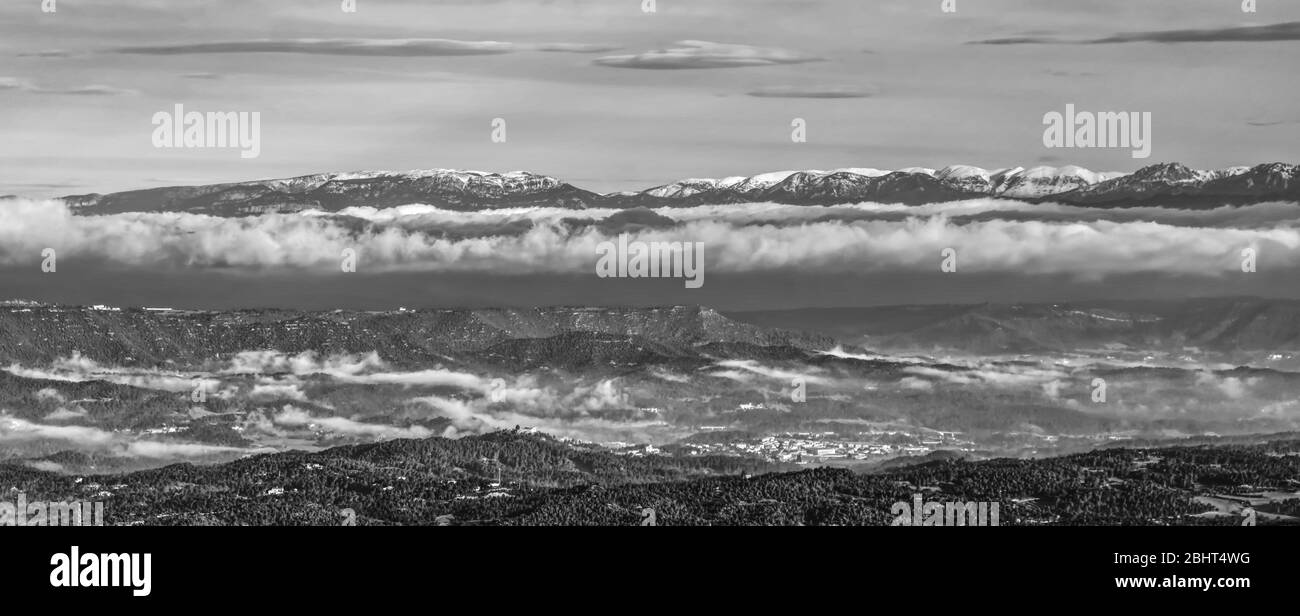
(1287,31)
(410,47)
(829,91)
(988,236)
(705,54)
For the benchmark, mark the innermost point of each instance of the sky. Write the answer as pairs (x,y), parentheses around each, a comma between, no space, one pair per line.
(586,96)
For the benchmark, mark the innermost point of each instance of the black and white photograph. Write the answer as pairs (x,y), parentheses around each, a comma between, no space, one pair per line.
(633,263)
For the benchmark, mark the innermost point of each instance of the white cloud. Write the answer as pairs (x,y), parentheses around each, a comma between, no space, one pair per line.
(705,54)
(294,417)
(80,369)
(1081,249)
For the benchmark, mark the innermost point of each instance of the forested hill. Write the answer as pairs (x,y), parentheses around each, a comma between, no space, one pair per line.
(544,481)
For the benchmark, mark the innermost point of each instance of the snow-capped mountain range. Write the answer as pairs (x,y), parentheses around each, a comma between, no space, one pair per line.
(1165,184)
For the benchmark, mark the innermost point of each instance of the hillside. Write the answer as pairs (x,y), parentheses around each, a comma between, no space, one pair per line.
(547,482)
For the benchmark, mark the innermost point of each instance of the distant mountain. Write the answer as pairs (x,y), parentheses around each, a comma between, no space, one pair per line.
(1175,184)
(1165,184)
(1222,325)
(1039,182)
(520,336)
(456,190)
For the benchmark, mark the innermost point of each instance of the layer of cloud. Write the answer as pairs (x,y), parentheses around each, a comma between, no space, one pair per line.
(15,431)
(705,54)
(80,369)
(23,85)
(46,53)
(783,375)
(572,47)
(1288,31)
(813,91)
(782,238)
(293,417)
(305,363)
(411,47)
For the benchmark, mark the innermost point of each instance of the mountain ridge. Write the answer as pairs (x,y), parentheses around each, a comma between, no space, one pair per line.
(1227,324)
(1163,185)
(42,333)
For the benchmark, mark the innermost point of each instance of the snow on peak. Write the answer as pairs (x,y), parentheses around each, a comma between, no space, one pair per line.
(746,184)
(467,179)
(1042,181)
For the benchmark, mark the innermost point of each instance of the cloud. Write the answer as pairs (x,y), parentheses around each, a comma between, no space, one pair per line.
(412,47)
(1018,40)
(14,429)
(813,92)
(839,352)
(918,384)
(1069,74)
(770,372)
(476,417)
(367,369)
(572,47)
(1052,389)
(64,414)
(210,76)
(50,393)
(459,411)
(16,433)
(482,402)
(46,53)
(23,85)
(168,450)
(704,54)
(302,364)
(993,375)
(274,391)
(80,369)
(294,417)
(1230,386)
(1288,31)
(989,235)
(1269,122)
